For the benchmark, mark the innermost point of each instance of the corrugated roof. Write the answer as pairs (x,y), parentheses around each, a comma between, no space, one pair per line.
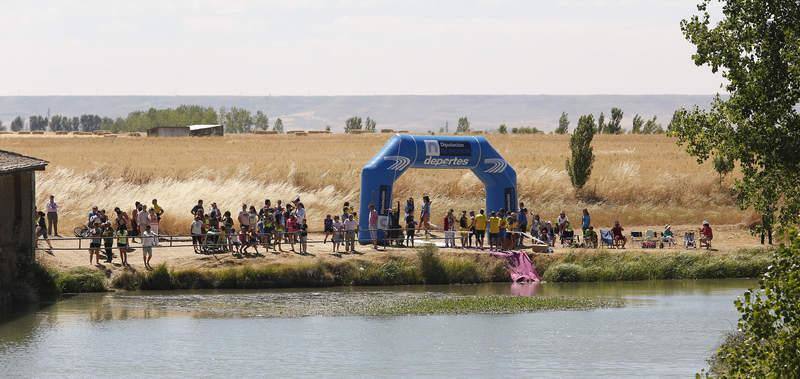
(11,162)
(203,126)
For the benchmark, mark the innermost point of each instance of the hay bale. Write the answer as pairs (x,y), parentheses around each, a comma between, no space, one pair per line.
(134,134)
(82,133)
(112,135)
(403,132)
(61,133)
(295,131)
(387,130)
(300,134)
(23,132)
(318,132)
(261,131)
(37,132)
(4,132)
(101,132)
(356,132)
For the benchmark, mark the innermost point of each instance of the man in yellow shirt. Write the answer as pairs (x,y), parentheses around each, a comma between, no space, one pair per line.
(159,211)
(494,231)
(480,229)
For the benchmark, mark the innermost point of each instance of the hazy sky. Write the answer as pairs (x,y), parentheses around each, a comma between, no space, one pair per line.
(348,47)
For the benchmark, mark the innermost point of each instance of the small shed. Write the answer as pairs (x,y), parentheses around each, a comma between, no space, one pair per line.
(168,131)
(206,130)
(17,207)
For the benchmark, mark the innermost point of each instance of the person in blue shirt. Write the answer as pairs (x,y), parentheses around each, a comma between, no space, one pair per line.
(586,221)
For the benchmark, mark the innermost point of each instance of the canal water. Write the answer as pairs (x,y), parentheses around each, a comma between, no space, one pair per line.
(665,329)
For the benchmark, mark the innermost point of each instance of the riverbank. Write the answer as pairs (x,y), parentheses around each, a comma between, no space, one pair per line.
(425,266)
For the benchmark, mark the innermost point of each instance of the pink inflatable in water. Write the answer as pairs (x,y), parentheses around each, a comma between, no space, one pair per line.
(519,266)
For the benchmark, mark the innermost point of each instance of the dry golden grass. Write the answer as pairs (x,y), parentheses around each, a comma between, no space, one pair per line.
(641,180)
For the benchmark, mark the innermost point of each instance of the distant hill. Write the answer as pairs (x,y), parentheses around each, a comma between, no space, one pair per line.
(410,112)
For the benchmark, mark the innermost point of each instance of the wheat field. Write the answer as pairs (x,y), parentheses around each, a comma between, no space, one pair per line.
(637,179)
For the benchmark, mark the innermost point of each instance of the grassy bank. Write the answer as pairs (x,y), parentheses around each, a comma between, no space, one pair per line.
(615,265)
(431,267)
(427,267)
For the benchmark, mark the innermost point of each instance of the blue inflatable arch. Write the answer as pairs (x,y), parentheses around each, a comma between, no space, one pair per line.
(434,152)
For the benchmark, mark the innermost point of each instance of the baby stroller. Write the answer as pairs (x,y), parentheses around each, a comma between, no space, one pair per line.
(689,241)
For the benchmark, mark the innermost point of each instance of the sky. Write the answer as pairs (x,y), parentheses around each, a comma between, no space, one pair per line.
(348,47)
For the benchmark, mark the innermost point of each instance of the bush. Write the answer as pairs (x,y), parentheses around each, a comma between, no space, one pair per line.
(431,266)
(80,280)
(158,279)
(564,272)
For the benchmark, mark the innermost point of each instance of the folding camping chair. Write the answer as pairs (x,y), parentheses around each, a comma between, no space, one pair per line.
(650,241)
(606,238)
(568,238)
(636,237)
(689,241)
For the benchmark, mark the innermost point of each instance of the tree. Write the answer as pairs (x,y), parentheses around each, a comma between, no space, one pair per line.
(37,123)
(237,120)
(261,121)
(636,127)
(614,126)
(723,166)
(369,125)
(526,130)
(17,124)
(756,47)
(503,129)
(652,127)
(2,127)
(90,122)
(463,125)
(601,123)
(327,128)
(352,123)
(278,126)
(563,124)
(767,344)
(579,167)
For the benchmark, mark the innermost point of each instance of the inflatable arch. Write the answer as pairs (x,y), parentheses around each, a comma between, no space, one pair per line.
(434,152)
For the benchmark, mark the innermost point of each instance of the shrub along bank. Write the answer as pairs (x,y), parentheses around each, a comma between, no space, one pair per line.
(429,267)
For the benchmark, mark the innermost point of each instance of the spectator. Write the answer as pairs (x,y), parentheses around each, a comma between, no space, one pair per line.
(463,228)
(41,230)
(327,227)
(350,226)
(300,213)
(411,225)
(425,215)
(536,227)
(244,217)
(196,230)
(148,241)
(586,220)
(143,218)
(561,222)
(154,221)
(706,235)
(95,235)
(303,237)
(158,210)
(590,237)
(52,217)
(337,230)
(373,225)
(409,209)
(122,243)
(522,225)
(480,229)
(135,221)
(619,238)
(108,241)
(667,236)
(198,208)
(449,229)
(494,231)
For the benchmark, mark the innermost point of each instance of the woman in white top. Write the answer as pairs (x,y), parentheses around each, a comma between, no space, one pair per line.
(152,218)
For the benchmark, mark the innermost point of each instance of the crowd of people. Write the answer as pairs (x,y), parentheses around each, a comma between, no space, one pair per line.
(273,226)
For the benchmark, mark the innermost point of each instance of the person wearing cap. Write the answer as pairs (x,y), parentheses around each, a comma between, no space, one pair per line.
(667,236)
(706,235)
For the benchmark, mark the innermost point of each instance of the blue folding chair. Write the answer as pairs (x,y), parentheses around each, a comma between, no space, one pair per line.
(606,238)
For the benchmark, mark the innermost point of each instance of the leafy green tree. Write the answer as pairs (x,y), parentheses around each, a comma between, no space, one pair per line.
(369,125)
(636,127)
(601,123)
(756,48)
(37,123)
(2,127)
(652,126)
(17,124)
(563,124)
(327,128)
(503,129)
(614,125)
(352,123)
(579,167)
(237,120)
(767,344)
(278,126)
(723,166)
(261,121)
(75,124)
(463,125)
(90,122)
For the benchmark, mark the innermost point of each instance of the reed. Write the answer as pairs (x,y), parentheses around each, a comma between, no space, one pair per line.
(487,305)
(638,179)
(604,265)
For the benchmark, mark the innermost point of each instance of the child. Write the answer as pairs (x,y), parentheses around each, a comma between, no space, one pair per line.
(410,227)
(328,227)
(304,238)
(269,230)
(291,229)
(41,230)
(253,240)
(278,233)
(338,230)
(122,243)
(242,248)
